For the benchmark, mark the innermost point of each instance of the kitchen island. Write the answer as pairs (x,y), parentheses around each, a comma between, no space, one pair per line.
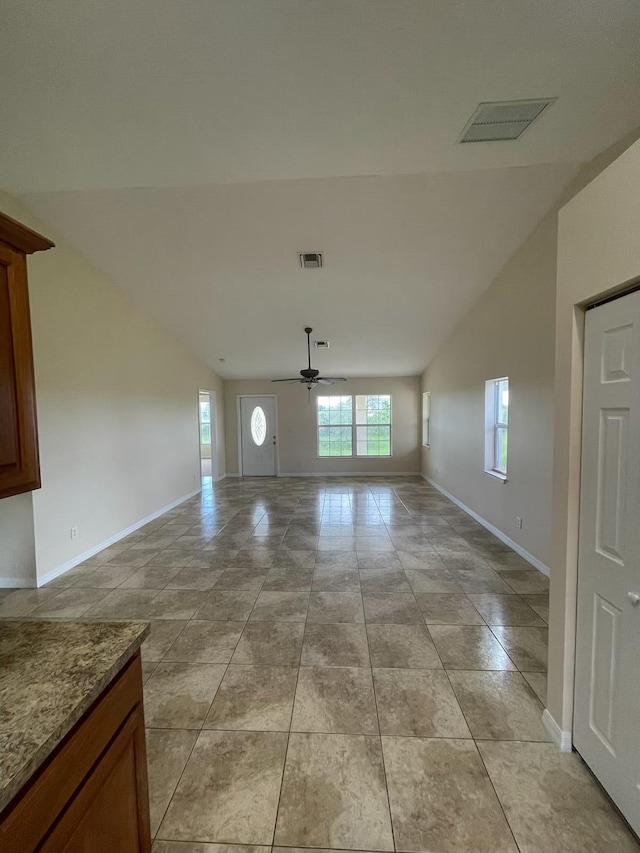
(73,774)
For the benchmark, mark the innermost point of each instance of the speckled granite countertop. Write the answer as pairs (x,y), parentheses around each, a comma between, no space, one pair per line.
(50,674)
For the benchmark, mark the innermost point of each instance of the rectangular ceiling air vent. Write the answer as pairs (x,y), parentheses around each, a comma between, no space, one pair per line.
(310,260)
(321,344)
(503,120)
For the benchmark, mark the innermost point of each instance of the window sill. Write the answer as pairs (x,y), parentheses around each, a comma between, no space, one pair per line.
(355,457)
(427,446)
(497,475)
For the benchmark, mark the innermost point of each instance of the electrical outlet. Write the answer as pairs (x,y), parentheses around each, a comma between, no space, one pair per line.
(519,522)
(74,533)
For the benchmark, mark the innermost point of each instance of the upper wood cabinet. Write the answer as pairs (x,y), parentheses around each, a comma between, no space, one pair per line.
(19,463)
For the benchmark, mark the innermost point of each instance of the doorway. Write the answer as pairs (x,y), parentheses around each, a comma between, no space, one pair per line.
(208,436)
(607,677)
(258,442)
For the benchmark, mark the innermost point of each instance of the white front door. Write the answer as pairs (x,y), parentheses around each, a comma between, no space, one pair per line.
(258,436)
(607,685)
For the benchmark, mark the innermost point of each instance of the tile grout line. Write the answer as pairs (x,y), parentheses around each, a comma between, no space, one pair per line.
(384,766)
(286,752)
(199,731)
(479,754)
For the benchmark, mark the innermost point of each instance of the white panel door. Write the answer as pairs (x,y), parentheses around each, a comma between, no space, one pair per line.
(258,436)
(607,686)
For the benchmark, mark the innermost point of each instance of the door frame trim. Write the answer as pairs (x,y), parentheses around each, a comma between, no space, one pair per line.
(239,429)
(571,555)
(213,401)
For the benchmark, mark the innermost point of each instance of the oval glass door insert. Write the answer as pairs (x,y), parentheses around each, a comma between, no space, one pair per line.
(258,426)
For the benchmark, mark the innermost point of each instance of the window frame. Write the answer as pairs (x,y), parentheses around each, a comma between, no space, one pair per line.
(367,426)
(495,428)
(319,426)
(426,419)
(354,428)
(205,422)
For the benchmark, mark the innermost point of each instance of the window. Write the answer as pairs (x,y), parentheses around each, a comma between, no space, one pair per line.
(335,426)
(373,424)
(363,422)
(205,422)
(426,419)
(258,426)
(496,427)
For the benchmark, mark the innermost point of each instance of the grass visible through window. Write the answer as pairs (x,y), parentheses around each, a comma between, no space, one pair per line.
(372,425)
(335,426)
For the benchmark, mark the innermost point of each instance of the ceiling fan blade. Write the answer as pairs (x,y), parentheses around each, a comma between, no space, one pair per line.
(324,381)
(331,379)
(287,380)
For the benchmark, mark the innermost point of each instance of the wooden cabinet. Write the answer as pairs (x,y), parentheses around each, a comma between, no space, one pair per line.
(92,795)
(19,465)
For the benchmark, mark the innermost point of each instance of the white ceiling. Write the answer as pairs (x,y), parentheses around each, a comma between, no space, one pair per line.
(185,134)
(404,257)
(167,93)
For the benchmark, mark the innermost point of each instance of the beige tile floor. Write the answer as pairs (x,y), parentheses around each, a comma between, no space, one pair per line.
(339,664)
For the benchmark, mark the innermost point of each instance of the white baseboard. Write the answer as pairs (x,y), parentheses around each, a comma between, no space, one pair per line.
(349,474)
(561,738)
(70,564)
(535,562)
(342,474)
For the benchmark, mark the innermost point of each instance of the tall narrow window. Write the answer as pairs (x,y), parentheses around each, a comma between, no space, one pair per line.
(205,421)
(373,425)
(426,419)
(496,426)
(335,426)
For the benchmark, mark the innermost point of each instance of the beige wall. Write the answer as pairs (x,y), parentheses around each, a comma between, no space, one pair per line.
(297,426)
(510,331)
(117,408)
(598,254)
(17,542)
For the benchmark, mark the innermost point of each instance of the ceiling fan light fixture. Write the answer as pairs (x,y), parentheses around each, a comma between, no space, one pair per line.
(309,377)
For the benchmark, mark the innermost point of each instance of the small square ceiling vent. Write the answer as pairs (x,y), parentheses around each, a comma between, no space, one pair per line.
(504,120)
(310,260)
(321,344)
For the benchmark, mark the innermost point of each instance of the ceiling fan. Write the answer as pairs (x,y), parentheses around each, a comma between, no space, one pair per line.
(309,376)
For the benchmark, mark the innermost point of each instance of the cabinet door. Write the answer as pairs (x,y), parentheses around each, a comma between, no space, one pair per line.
(19,465)
(111,811)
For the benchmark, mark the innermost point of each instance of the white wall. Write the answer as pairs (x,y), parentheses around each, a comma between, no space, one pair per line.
(17,543)
(598,255)
(117,406)
(297,425)
(510,331)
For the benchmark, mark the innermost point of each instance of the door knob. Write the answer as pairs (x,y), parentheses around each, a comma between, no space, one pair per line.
(634,598)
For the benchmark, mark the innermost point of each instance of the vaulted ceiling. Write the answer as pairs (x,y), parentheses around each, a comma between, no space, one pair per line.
(191,149)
